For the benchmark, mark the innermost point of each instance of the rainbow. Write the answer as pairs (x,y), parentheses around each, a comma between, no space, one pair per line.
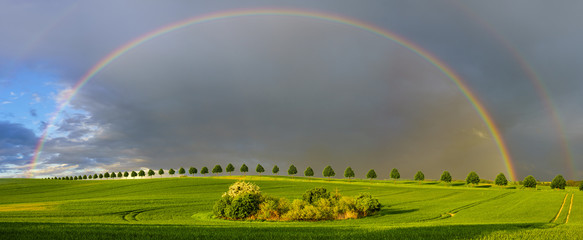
(478,106)
(536,81)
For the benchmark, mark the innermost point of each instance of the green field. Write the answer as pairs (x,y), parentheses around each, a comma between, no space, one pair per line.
(172,208)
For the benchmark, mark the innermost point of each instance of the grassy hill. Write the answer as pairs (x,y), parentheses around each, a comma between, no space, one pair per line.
(171,208)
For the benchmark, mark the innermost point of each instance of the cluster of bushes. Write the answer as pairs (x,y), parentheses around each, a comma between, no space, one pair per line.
(245,201)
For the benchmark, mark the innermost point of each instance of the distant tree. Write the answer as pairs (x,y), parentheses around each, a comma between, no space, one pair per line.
(559,182)
(79,177)
(134,174)
(151,173)
(292,170)
(75,178)
(126,174)
(171,172)
(95,176)
(204,170)
(259,169)
(181,171)
(142,173)
(309,172)
(161,172)
(445,177)
(112,175)
(529,182)
(501,180)
(84,176)
(217,169)
(395,174)
(100,176)
(371,174)
(328,172)
(192,170)
(106,175)
(67,178)
(275,169)
(581,186)
(244,169)
(419,176)
(90,176)
(349,173)
(230,168)
(119,175)
(473,178)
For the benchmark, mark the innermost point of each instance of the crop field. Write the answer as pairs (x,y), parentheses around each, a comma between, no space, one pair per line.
(181,207)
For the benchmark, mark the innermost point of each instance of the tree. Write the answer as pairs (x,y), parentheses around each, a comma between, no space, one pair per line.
(275,169)
(581,186)
(142,173)
(529,182)
(192,170)
(134,174)
(473,178)
(419,176)
(95,176)
(445,177)
(126,174)
(292,170)
(371,174)
(349,173)
(106,175)
(119,175)
(217,169)
(171,172)
(501,180)
(181,171)
(100,176)
(161,172)
(328,172)
(559,182)
(204,170)
(151,173)
(395,174)
(309,172)
(112,175)
(230,168)
(259,169)
(244,169)
(75,178)
(90,176)
(84,176)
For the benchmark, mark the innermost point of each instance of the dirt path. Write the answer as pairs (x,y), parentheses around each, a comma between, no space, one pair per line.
(561,209)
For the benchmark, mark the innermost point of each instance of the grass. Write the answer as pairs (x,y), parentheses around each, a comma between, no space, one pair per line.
(175,208)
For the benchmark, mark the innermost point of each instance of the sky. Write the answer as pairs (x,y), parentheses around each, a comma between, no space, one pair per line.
(278,89)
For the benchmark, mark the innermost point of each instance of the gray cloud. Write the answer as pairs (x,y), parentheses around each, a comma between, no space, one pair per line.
(281,90)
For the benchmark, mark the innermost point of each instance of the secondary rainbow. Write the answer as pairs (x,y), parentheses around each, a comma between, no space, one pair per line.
(295,13)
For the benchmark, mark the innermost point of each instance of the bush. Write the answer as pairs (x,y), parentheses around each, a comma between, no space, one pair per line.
(366,204)
(244,201)
(244,206)
(313,195)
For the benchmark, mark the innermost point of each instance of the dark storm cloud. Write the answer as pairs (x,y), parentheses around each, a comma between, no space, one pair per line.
(16,143)
(284,90)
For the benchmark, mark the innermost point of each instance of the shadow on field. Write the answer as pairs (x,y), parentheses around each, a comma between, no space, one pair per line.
(251,231)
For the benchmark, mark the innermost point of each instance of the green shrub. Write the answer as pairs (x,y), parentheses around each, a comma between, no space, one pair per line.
(244,206)
(220,208)
(529,182)
(242,187)
(315,194)
(366,204)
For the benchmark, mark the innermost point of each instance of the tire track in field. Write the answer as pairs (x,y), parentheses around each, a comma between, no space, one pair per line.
(132,215)
(560,209)
(570,207)
(454,211)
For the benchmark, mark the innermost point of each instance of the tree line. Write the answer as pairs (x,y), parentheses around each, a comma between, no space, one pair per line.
(558,182)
